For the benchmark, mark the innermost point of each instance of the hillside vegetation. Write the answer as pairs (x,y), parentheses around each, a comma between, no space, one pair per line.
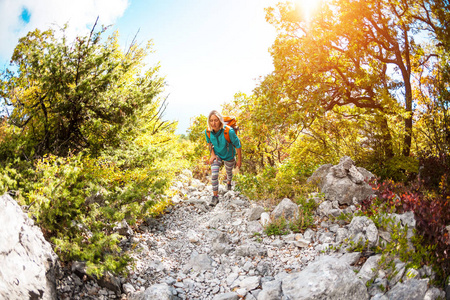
(83,144)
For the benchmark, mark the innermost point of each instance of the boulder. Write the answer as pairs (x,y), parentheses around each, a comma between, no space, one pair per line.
(250,249)
(271,290)
(326,278)
(362,230)
(343,182)
(413,289)
(318,175)
(28,264)
(221,243)
(369,270)
(287,209)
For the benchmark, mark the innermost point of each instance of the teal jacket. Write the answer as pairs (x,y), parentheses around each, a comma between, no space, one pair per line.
(223,149)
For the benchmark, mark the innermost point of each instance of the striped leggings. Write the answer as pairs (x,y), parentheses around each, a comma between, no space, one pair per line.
(215,166)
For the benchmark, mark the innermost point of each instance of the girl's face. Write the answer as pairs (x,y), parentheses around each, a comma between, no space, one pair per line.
(214,122)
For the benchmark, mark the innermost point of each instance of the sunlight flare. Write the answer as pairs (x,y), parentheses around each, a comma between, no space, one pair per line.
(307,8)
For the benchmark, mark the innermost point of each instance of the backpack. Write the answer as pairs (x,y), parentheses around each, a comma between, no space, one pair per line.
(230,122)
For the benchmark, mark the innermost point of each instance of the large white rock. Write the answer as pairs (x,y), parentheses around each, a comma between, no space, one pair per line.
(343,182)
(362,229)
(28,265)
(413,289)
(327,278)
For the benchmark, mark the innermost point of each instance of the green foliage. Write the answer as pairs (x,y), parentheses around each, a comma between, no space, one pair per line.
(277,226)
(84,146)
(305,219)
(397,168)
(87,94)
(16,177)
(412,252)
(266,136)
(200,152)
(275,182)
(333,60)
(359,246)
(432,126)
(79,200)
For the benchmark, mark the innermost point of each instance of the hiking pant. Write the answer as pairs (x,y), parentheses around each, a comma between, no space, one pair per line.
(215,167)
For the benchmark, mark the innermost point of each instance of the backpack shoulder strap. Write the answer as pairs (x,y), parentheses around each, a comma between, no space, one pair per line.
(226,133)
(208,133)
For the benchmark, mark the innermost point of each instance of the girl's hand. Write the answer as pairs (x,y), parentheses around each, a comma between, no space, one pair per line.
(213,158)
(238,164)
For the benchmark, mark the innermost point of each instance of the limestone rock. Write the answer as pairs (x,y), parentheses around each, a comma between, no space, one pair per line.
(369,269)
(123,228)
(255,213)
(327,278)
(343,182)
(265,219)
(287,209)
(199,262)
(413,289)
(28,264)
(362,229)
(160,291)
(271,290)
(318,176)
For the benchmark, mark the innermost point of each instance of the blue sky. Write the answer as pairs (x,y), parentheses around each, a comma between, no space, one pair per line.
(208,50)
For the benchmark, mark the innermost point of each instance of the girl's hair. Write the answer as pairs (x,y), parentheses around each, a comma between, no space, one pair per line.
(218,115)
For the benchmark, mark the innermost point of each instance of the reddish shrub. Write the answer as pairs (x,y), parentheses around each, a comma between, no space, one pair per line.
(431,210)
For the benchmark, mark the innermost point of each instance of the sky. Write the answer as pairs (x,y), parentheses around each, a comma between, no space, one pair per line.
(208,50)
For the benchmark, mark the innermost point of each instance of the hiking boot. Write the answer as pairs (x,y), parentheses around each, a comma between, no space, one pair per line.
(229,186)
(214,201)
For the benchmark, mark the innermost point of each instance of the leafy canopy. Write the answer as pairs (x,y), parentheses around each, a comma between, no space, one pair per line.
(86,94)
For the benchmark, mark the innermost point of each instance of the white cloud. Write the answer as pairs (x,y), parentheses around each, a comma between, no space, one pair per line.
(80,15)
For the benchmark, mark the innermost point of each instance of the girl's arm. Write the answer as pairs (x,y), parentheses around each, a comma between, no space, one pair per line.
(239,157)
(213,155)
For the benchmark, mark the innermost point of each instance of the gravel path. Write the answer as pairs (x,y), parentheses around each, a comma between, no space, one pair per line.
(199,252)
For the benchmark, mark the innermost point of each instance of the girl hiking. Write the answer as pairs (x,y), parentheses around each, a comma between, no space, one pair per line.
(223,145)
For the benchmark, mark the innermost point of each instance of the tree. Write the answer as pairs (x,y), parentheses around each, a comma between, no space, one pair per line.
(87,94)
(361,54)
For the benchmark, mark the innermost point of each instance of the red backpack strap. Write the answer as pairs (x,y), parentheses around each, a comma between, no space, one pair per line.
(208,133)
(226,133)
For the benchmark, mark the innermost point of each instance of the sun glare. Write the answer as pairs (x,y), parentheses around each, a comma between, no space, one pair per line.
(307,8)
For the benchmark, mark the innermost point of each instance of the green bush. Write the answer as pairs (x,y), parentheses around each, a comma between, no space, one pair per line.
(275,182)
(306,208)
(78,200)
(277,227)
(398,168)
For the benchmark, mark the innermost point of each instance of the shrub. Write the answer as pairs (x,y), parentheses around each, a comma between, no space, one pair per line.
(277,226)
(397,168)
(431,212)
(305,215)
(435,172)
(78,200)
(275,182)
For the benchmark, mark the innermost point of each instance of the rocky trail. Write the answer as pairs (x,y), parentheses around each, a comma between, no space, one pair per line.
(195,251)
